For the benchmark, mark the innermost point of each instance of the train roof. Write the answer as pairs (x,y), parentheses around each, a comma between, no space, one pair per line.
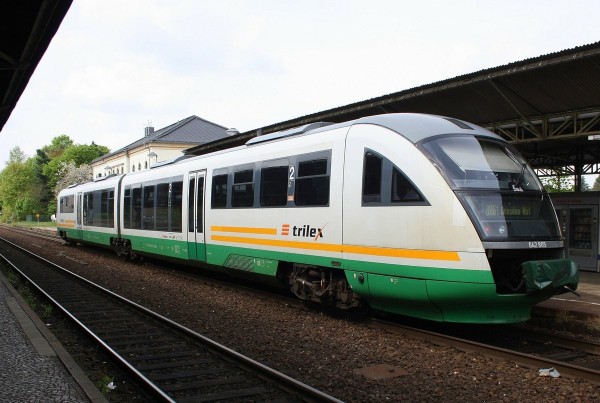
(413,126)
(417,127)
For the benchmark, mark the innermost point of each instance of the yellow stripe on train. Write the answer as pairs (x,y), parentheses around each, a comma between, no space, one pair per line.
(359,250)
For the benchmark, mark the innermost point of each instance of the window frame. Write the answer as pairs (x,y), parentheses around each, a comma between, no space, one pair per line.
(387,174)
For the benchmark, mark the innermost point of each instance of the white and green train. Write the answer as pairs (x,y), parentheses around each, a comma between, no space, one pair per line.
(413,214)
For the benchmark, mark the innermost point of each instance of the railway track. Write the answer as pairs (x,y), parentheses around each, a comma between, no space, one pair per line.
(571,357)
(171,361)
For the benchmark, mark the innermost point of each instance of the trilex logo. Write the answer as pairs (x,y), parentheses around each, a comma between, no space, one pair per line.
(304,231)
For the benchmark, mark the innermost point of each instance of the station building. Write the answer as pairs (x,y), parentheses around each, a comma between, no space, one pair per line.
(157,146)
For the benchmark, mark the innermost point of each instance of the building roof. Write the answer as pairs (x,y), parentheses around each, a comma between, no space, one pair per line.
(191,130)
(26,29)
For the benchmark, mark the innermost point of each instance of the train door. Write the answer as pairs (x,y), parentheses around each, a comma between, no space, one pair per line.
(196,241)
(79,215)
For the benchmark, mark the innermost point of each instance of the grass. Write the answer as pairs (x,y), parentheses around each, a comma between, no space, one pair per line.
(104,384)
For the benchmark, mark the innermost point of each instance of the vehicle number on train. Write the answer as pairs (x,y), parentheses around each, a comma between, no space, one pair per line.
(535,245)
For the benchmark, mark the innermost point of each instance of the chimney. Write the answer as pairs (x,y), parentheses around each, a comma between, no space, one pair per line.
(148,130)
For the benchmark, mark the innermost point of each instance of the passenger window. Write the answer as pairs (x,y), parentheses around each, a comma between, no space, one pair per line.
(312,183)
(402,189)
(243,189)
(136,202)
(162,206)
(219,191)
(148,206)
(88,208)
(274,186)
(384,184)
(371,191)
(127,207)
(107,208)
(176,203)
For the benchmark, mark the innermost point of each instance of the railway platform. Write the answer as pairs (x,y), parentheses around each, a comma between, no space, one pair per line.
(578,312)
(34,366)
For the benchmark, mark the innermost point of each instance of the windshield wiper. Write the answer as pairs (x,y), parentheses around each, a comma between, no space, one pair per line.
(517,185)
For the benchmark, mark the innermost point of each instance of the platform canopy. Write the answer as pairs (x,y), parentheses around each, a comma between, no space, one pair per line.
(547,106)
(26,29)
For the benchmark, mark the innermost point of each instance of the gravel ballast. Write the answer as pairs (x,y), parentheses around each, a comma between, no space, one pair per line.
(320,349)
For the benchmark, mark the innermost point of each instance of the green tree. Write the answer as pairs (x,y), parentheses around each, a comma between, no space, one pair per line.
(29,185)
(19,190)
(16,155)
(585,187)
(558,184)
(596,185)
(57,146)
(79,154)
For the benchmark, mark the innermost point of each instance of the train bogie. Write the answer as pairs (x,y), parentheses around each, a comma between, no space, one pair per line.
(412,214)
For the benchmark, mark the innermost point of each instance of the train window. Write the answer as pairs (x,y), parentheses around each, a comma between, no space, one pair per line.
(402,189)
(242,194)
(127,207)
(274,186)
(384,184)
(107,208)
(312,183)
(148,200)
(136,203)
(176,202)
(88,209)
(191,191)
(163,193)
(67,204)
(371,191)
(219,191)
(200,206)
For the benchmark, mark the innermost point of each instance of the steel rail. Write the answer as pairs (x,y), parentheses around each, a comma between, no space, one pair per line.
(523,359)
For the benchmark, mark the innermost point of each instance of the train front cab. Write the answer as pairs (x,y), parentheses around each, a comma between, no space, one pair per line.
(66,216)
(87,213)
(481,244)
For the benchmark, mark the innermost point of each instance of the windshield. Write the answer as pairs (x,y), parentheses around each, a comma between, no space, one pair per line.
(470,162)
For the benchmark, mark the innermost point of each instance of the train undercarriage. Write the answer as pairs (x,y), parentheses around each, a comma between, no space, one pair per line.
(322,285)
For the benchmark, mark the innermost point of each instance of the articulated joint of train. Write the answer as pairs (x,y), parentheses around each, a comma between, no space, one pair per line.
(323,285)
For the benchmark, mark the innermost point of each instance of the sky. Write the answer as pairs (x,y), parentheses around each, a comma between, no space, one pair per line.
(116,66)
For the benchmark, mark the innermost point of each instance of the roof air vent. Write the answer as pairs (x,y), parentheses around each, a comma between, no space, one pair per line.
(287,133)
(459,123)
